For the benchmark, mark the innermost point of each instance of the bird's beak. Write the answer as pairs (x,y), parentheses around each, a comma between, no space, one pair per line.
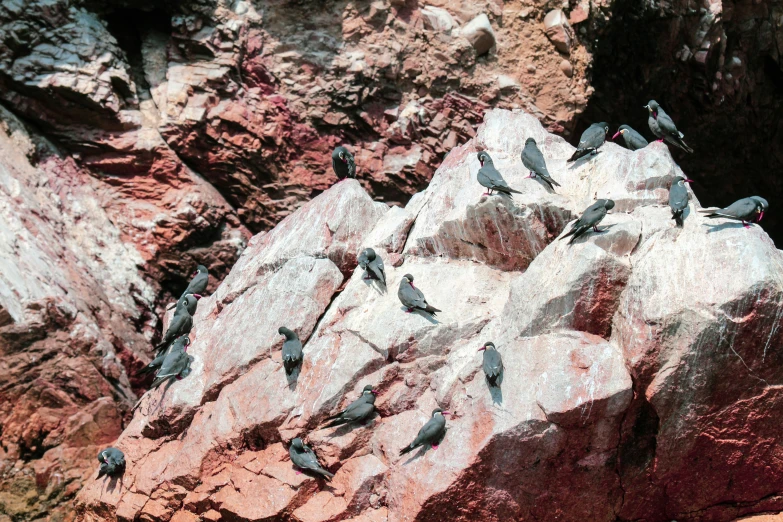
(688,181)
(615,135)
(482,348)
(445,413)
(647,107)
(761,215)
(374,392)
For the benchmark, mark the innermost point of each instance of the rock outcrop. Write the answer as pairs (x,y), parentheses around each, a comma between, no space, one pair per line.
(641,364)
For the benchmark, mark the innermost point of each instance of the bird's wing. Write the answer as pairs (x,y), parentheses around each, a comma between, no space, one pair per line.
(292,350)
(667,124)
(377,269)
(496,179)
(362,260)
(678,197)
(174,363)
(351,165)
(358,410)
(533,159)
(178,323)
(412,297)
(637,139)
(593,137)
(739,209)
(308,459)
(493,364)
(594,216)
(430,431)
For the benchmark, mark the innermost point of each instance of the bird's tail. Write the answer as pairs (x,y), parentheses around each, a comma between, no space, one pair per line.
(328,476)
(678,218)
(710,212)
(569,233)
(555,183)
(406,449)
(157,382)
(336,422)
(493,381)
(289,366)
(579,153)
(431,309)
(147,369)
(678,142)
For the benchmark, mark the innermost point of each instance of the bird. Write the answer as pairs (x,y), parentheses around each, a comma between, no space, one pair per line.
(590,218)
(493,364)
(197,285)
(489,177)
(745,209)
(181,343)
(633,140)
(663,127)
(359,410)
(534,161)
(181,323)
(343,164)
(292,350)
(678,198)
(372,264)
(112,462)
(304,458)
(412,298)
(431,433)
(592,138)
(175,364)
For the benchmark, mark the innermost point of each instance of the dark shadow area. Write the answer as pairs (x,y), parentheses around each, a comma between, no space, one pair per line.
(731,113)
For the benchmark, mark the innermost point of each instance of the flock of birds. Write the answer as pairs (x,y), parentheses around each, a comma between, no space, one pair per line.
(173,362)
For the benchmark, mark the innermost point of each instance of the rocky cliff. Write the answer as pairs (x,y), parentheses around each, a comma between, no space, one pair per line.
(642,367)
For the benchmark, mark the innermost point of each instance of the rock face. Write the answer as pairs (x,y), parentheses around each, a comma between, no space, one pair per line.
(640,363)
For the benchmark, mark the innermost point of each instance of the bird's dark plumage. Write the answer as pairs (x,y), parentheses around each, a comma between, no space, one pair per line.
(359,410)
(492,364)
(534,161)
(412,298)
(592,138)
(292,350)
(633,140)
(304,458)
(197,285)
(678,199)
(663,126)
(343,163)
(112,462)
(431,433)
(372,264)
(489,177)
(746,209)
(181,343)
(176,363)
(589,219)
(181,323)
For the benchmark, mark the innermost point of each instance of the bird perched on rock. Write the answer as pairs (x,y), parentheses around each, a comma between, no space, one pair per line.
(493,364)
(489,177)
(304,458)
(590,219)
(181,344)
(176,364)
(431,433)
(592,138)
(292,350)
(746,209)
(359,410)
(343,164)
(412,298)
(633,140)
(372,264)
(663,126)
(534,161)
(112,462)
(181,323)
(197,285)
(678,198)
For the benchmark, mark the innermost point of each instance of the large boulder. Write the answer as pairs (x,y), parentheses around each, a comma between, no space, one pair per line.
(635,358)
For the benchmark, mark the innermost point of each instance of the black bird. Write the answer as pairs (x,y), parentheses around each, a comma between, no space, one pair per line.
(633,140)
(292,350)
(590,219)
(304,458)
(412,298)
(112,462)
(431,433)
(180,344)
(359,410)
(181,323)
(176,364)
(493,364)
(746,209)
(678,198)
(592,138)
(372,264)
(534,161)
(343,164)
(663,126)
(198,284)
(489,177)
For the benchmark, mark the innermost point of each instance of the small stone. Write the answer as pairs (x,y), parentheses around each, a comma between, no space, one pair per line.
(437,19)
(531,68)
(507,82)
(558,31)
(525,12)
(566,68)
(480,34)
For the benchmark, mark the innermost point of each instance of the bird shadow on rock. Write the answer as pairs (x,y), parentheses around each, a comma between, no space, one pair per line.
(375,285)
(592,233)
(722,226)
(112,482)
(423,314)
(544,185)
(292,379)
(583,159)
(496,392)
(425,448)
(347,428)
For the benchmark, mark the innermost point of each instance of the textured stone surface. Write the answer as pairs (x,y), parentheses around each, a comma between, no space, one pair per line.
(639,366)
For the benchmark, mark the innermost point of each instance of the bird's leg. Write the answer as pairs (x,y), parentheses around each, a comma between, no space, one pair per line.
(485,194)
(659,140)
(409,311)
(745,224)
(595,228)
(435,447)
(532,174)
